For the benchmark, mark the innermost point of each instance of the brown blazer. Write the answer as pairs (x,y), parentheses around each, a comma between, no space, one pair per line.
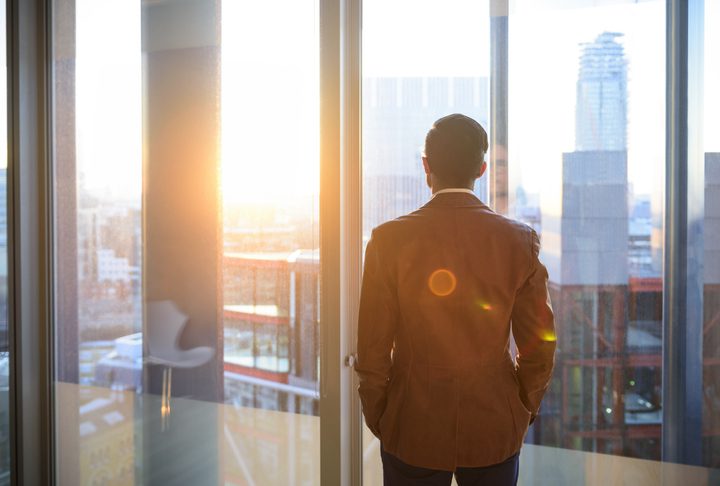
(441,289)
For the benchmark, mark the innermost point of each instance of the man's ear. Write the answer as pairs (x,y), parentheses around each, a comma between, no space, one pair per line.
(482,170)
(426,166)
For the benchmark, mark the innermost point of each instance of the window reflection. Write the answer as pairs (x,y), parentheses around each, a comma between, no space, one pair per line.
(711,229)
(4,334)
(186,175)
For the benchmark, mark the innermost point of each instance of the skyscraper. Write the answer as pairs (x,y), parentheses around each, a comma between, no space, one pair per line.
(587,243)
(711,309)
(712,219)
(601,110)
(606,391)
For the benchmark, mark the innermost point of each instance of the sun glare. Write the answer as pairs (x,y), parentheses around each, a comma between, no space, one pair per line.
(269,101)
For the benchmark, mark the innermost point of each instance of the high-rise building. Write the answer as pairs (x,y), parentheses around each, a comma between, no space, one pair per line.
(397,114)
(711,310)
(640,230)
(601,110)
(588,243)
(271,330)
(605,396)
(712,219)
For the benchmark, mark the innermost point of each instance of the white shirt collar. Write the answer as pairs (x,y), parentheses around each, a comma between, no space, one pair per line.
(453,189)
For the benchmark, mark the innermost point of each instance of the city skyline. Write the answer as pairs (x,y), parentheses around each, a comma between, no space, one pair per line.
(524,64)
(259,240)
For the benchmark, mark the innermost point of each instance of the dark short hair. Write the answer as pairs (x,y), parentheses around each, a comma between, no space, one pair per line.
(455,147)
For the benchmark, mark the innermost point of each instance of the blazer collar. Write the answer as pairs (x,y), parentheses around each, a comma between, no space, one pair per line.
(454,199)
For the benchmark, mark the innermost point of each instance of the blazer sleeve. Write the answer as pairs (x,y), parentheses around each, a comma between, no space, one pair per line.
(533,328)
(377,322)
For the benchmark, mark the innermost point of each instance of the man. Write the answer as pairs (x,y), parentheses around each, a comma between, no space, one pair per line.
(442,289)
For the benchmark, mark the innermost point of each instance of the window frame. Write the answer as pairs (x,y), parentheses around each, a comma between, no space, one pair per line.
(340,239)
(684,205)
(29,197)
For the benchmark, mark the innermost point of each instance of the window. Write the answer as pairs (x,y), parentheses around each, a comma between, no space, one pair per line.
(187,309)
(709,155)
(586,159)
(413,75)
(4,282)
(206,220)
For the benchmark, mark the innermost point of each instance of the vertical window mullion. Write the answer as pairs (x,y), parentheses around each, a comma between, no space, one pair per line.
(351,237)
(330,157)
(29,238)
(340,238)
(683,299)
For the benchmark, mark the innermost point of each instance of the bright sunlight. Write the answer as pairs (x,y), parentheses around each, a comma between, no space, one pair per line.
(269,101)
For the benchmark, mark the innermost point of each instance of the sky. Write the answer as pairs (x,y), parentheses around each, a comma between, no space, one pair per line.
(452,38)
(269,73)
(269,100)
(108,91)
(426,38)
(542,93)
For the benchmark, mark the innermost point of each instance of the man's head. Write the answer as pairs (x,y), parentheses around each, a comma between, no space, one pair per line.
(455,150)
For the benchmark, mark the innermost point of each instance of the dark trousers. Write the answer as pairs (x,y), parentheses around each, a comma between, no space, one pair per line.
(397,473)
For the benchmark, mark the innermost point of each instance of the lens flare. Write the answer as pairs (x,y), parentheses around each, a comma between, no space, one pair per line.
(442,282)
(548,336)
(483,305)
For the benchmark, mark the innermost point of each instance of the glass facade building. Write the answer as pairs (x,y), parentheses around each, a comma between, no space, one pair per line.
(601,113)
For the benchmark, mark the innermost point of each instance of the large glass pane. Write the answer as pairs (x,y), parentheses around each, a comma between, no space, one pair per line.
(410,79)
(4,331)
(711,231)
(421,60)
(186,246)
(586,156)
(585,125)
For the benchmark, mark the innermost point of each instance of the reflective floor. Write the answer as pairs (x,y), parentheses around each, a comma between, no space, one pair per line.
(127,439)
(542,466)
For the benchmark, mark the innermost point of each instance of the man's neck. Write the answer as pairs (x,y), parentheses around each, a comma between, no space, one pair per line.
(442,187)
(453,190)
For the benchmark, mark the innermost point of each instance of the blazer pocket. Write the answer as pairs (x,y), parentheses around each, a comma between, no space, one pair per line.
(388,419)
(520,415)
(520,393)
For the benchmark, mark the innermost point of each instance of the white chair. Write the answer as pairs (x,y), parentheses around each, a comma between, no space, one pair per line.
(165,323)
